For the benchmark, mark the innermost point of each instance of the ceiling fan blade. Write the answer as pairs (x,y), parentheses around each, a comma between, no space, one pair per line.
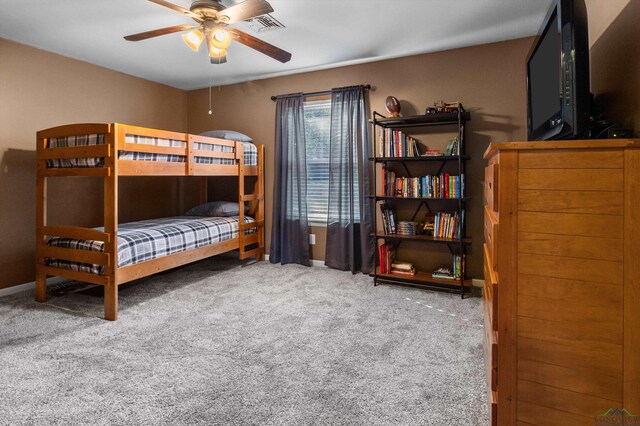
(160,31)
(177,8)
(246,10)
(261,46)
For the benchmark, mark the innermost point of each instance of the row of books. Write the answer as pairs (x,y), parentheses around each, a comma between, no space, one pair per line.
(389,220)
(443,185)
(446,225)
(386,254)
(440,224)
(394,143)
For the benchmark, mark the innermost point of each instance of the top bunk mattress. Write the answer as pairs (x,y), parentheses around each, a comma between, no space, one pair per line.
(250,151)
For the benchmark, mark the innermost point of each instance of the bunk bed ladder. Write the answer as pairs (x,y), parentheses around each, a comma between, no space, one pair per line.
(257,208)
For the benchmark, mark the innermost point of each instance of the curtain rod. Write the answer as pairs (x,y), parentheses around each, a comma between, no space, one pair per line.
(324,92)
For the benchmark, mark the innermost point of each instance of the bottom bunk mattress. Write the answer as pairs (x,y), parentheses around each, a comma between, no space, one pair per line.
(151,239)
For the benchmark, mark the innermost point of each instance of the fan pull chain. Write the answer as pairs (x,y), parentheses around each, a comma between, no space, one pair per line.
(210,110)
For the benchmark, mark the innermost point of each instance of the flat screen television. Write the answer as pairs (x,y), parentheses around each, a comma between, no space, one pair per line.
(558,92)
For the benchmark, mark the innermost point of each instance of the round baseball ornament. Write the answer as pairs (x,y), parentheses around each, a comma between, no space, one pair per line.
(393,106)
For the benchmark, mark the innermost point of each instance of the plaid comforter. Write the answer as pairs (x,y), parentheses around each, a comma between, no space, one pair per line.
(150,239)
(250,151)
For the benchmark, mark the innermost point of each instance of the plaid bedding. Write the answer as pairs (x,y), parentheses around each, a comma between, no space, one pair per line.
(250,154)
(84,140)
(151,239)
(250,151)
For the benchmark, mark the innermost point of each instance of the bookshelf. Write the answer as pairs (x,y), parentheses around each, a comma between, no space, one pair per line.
(432,186)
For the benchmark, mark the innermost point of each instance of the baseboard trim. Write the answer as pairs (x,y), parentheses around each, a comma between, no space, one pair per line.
(28,286)
(313,262)
(477,283)
(56,280)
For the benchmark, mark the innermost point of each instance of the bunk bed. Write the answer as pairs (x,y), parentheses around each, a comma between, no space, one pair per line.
(118,253)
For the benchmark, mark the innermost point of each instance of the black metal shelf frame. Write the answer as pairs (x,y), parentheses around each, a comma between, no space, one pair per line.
(458,119)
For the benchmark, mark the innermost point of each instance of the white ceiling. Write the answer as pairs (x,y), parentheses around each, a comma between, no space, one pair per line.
(319,34)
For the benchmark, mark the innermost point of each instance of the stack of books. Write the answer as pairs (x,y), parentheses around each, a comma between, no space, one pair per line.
(443,273)
(403,268)
(406,228)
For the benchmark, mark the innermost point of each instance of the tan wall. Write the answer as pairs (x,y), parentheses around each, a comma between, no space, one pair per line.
(488,79)
(614,36)
(40,90)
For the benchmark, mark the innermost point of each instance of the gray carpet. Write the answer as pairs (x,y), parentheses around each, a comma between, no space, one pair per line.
(220,343)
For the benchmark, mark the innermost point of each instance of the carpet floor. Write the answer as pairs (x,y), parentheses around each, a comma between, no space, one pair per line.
(229,343)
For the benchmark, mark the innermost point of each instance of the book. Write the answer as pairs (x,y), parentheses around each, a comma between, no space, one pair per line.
(388,219)
(447,185)
(416,151)
(386,253)
(443,277)
(384,258)
(403,266)
(458,266)
(383,216)
(384,181)
(402,272)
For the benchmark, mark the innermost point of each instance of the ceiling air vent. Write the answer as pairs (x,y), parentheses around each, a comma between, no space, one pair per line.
(264,23)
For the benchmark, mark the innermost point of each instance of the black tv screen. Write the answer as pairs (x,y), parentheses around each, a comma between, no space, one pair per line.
(558,75)
(544,72)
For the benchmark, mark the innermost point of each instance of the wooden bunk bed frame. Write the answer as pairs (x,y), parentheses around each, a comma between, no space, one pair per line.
(115,167)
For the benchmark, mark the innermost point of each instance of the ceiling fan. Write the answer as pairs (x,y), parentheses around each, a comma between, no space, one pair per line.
(213,22)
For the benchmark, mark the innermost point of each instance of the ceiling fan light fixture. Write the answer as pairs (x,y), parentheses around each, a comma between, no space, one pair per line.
(193,39)
(220,38)
(214,52)
(212,20)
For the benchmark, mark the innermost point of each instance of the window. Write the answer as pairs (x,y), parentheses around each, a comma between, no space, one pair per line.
(317,124)
(317,128)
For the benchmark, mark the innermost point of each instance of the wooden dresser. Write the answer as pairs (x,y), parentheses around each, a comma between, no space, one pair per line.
(562,281)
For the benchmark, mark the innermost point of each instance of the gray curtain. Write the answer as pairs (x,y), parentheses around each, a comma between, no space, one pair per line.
(290,228)
(350,246)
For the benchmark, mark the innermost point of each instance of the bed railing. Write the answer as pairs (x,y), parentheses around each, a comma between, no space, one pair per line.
(74,254)
(174,154)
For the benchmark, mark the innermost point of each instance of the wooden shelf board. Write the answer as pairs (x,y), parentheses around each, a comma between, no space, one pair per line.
(423,277)
(426,158)
(425,238)
(437,119)
(384,197)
